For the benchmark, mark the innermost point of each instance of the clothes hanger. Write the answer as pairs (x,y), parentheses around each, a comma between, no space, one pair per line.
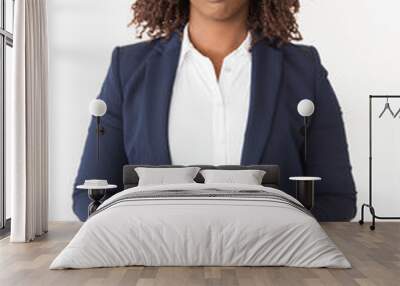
(397,113)
(387,107)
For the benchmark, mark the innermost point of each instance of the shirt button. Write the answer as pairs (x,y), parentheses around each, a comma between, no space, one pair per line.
(228,69)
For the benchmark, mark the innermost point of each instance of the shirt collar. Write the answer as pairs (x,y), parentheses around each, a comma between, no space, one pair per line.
(245,46)
(187,45)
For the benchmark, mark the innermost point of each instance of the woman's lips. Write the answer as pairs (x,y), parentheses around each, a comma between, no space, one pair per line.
(216,1)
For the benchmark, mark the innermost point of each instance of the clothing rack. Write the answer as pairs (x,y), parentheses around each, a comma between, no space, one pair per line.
(370,203)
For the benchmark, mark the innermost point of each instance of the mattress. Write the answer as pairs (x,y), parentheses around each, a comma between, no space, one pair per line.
(201,225)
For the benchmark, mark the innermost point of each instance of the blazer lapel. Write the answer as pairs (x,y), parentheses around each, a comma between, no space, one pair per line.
(161,67)
(265,82)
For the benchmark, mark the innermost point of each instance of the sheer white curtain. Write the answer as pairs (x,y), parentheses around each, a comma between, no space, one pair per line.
(28,158)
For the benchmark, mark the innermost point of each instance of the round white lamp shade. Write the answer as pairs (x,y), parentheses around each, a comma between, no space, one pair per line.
(306,108)
(97,107)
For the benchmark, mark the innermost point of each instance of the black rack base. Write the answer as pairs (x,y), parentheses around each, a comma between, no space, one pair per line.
(374,216)
(372,210)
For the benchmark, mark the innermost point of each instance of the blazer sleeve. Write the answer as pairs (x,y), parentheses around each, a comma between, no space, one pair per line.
(335,198)
(112,151)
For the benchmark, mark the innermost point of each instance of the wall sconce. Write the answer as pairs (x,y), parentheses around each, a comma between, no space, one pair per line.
(306,109)
(98,108)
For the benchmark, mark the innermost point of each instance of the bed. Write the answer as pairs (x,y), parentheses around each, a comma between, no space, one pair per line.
(201,224)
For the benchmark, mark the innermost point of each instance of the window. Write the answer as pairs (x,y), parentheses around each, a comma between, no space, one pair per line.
(6,44)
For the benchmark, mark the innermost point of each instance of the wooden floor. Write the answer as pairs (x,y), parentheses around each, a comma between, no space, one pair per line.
(375,257)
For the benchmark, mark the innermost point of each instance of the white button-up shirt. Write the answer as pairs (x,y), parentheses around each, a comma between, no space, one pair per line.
(208,117)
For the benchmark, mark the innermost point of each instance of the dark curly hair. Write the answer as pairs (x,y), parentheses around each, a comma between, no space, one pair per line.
(272,19)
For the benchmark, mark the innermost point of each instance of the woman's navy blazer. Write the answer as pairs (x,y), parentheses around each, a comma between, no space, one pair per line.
(138,91)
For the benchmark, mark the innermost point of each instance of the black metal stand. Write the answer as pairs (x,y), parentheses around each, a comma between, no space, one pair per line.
(95,195)
(305,193)
(370,205)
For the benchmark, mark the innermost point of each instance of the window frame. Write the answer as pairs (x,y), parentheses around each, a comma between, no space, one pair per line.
(6,39)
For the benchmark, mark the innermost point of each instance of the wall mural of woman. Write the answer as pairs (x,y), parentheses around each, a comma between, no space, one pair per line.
(219,83)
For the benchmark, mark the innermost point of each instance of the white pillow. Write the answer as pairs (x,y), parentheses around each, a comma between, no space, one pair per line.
(248,177)
(165,176)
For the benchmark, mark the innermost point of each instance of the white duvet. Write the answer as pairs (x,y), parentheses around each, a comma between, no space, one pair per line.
(191,231)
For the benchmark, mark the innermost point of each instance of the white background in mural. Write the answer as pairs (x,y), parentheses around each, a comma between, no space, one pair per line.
(357,42)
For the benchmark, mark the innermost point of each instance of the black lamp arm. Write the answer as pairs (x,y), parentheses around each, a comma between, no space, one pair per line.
(99,132)
(99,129)
(305,131)
(306,125)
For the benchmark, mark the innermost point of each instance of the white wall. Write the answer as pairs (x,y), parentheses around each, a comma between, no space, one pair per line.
(82,35)
(358,41)
(359,44)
